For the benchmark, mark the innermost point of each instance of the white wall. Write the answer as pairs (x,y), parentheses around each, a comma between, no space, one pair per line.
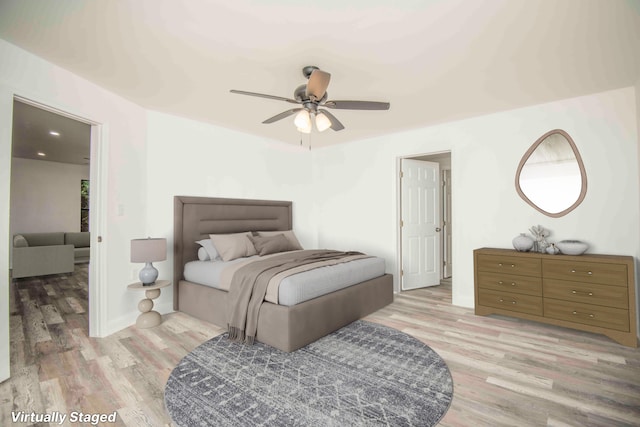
(45,196)
(189,158)
(356,187)
(123,140)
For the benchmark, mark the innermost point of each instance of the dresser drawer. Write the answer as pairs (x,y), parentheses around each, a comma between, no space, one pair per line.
(587,314)
(510,265)
(511,301)
(596,294)
(587,272)
(510,283)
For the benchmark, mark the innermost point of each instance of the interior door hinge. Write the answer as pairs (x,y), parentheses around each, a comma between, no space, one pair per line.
(401,223)
(401,174)
(401,272)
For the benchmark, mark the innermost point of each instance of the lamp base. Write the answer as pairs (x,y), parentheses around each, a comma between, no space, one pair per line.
(148,275)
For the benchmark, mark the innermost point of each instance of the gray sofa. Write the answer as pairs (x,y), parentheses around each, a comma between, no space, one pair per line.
(81,242)
(39,254)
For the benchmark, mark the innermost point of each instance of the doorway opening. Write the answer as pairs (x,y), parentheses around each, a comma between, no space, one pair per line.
(54,156)
(425,227)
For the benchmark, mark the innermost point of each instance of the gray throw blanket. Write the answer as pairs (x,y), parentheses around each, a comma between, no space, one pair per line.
(249,285)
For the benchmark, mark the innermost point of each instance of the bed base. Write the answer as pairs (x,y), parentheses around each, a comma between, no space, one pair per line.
(289,328)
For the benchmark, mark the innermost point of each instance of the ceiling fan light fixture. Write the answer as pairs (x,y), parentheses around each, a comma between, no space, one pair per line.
(303,121)
(310,98)
(322,122)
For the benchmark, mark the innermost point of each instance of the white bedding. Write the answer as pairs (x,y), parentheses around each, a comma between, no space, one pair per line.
(299,287)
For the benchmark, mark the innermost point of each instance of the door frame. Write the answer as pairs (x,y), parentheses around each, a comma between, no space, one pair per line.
(399,208)
(447,221)
(98,167)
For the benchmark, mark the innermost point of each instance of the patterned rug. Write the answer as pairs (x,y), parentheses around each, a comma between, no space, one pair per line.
(363,374)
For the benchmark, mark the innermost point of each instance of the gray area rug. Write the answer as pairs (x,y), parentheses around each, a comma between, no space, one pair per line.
(363,374)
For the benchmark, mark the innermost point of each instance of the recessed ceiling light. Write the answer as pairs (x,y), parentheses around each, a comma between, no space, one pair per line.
(41,154)
(54,133)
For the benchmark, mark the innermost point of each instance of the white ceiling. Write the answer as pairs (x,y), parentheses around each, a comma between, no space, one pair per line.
(433,60)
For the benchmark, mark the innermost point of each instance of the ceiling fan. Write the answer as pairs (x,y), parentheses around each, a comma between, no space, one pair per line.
(311,97)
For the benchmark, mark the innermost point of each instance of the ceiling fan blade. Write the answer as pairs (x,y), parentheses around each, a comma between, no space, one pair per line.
(282,115)
(357,105)
(318,83)
(335,123)
(262,95)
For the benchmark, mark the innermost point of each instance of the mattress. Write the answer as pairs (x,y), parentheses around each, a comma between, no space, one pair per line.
(298,287)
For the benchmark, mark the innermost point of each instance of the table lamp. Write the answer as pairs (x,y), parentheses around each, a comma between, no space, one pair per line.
(148,250)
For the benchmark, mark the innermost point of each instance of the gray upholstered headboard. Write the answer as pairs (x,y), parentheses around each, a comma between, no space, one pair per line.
(194,218)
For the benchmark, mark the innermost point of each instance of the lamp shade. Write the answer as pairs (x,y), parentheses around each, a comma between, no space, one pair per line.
(148,250)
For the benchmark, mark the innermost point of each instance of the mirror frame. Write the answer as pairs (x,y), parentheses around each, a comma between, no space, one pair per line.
(583,174)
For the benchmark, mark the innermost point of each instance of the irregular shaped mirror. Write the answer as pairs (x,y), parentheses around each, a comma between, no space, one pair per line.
(551,176)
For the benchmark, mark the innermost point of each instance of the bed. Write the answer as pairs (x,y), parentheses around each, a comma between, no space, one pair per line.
(286,327)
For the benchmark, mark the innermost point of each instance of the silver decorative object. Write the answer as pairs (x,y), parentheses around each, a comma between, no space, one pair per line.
(552,249)
(572,247)
(522,243)
(540,235)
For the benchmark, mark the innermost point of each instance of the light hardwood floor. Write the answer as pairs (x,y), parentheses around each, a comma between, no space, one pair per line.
(506,372)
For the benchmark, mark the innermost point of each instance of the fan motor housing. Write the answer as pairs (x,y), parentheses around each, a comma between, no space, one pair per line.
(300,93)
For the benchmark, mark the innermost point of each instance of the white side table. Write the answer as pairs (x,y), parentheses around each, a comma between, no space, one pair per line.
(149,318)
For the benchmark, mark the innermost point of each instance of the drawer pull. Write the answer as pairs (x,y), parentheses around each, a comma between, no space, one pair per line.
(502,283)
(501,265)
(586,272)
(512,301)
(582,292)
(591,316)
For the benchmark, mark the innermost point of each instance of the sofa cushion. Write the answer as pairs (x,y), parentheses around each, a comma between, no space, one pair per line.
(44,239)
(80,239)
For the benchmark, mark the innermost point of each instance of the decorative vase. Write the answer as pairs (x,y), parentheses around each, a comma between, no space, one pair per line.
(522,243)
(572,247)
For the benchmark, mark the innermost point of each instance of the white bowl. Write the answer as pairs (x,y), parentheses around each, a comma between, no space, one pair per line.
(572,247)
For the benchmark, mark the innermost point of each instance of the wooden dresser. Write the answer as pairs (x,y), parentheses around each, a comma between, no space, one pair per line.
(594,293)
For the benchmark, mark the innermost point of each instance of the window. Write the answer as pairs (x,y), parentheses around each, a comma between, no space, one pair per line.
(84,205)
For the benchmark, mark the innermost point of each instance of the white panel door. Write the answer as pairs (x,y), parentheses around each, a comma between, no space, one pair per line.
(421,254)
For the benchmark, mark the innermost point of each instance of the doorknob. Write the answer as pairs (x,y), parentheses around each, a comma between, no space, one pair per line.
(438,229)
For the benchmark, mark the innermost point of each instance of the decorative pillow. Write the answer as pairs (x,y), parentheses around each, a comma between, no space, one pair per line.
(289,234)
(203,255)
(211,251)
(266,245)
(232,246)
